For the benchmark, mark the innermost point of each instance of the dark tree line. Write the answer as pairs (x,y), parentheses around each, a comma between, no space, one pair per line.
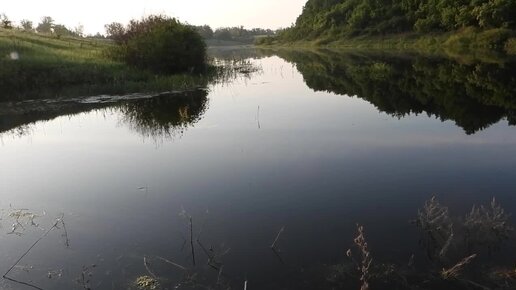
(239,34)
(359,17)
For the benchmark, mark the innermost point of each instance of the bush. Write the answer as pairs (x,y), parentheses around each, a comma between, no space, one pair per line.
(162,45)
(510,46)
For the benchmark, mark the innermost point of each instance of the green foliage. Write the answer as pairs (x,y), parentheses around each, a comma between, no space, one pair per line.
(205,31)
(510,46)
(235,34)
(115,31)
(5,22)
(348,18)
(49,67)
(46,25)
(26,25)
(160,44)
(470,38)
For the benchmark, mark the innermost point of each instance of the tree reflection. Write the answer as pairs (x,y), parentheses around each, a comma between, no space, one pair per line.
(166,115)
(163,115)
(474,95)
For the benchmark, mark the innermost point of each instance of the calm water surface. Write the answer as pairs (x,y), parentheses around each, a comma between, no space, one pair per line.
(312,143)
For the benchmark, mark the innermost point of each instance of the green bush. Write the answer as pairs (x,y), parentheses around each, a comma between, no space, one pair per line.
(510,45)
(162,45)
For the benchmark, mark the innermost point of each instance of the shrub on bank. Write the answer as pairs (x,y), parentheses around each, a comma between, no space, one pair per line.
(510,45)
(160,44)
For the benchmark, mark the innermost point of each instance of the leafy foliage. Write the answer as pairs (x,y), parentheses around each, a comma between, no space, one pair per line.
(347,18)
(46,25)
(5,22)
(160,44)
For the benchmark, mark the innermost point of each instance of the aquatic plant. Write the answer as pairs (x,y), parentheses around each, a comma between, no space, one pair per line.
(147,283)
(487,226)
(434,220)
(454,271)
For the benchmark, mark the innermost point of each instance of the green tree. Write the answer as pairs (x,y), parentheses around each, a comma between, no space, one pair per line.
(161,44)
(61,30)
(27,25)
(205,31)
(5,22)
(115,31)
(46,25)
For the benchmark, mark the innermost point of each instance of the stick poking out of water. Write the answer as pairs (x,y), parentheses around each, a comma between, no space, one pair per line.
(27,252)
(148,269)
(273,246)
(191,241)
(172,263)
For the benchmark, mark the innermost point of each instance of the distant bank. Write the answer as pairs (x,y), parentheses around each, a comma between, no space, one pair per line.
(410,24)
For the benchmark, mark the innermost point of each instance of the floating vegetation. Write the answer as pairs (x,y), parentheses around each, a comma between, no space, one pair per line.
(147,283)
(456,252)
(20,220)
(85,278)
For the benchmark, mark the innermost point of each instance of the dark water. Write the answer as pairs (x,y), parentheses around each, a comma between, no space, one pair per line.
(314,142)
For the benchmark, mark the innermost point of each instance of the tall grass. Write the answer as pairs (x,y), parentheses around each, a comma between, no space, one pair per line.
(47,66)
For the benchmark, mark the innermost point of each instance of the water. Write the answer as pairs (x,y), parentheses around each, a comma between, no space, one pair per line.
(312,142)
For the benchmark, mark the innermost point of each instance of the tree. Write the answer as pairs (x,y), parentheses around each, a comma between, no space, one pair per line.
(46,25)
(222,34)
(115,31)
(5,22)
(79,30)
(205,31)
(26,25)
(61,30)
(162,45)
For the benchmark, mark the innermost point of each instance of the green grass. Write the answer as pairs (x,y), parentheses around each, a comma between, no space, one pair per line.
(467,40)
(67,67)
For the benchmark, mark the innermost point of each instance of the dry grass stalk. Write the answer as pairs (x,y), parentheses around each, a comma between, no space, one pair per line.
(172,263)
(273,246)
(454,271)
(435,221)
(487,225)
(366,259)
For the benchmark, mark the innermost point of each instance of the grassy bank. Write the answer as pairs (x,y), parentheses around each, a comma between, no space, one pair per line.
(468,40)
(43,66)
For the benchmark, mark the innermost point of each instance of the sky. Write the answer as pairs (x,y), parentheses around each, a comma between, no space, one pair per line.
(93,14)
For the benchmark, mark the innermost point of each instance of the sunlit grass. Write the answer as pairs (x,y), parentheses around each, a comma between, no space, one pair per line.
(48,66)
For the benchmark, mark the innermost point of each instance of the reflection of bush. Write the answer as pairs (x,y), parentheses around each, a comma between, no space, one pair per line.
(165,115)
(474,95)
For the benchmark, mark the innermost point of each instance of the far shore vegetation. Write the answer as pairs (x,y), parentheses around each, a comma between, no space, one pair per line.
(463,25)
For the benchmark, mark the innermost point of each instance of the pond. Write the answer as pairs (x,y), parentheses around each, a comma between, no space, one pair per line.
(293,155)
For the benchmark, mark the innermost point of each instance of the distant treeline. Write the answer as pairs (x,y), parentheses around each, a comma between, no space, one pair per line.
(47,25)
(350,18)
(238,34)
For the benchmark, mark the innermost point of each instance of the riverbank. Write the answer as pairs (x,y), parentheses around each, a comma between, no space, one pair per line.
(45,66)
(468,40)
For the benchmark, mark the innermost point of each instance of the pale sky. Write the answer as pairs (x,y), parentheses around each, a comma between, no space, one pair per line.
(93,14)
